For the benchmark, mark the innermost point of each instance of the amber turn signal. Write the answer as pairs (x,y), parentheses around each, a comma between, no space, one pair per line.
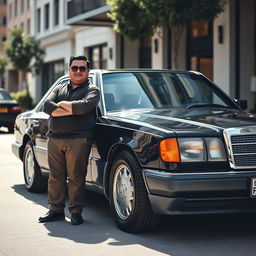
(169,150)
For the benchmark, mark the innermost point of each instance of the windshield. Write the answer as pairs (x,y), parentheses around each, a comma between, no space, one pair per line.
(156,90)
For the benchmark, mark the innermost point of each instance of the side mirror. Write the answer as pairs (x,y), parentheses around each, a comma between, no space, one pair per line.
(241,103)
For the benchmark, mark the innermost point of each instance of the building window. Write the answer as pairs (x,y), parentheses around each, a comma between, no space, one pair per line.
(199,28)
(200,47)
(46,16)
(51,72)
(38,20)
(22,6)
(22,26)
(28,4)
(77,7)
(98,55)
(28,26)
(10,11)
(56,12)
(15,8)
(145,52)
(3,21)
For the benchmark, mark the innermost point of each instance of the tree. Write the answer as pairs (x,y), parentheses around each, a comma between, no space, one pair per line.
(135,18)
(24,52)
(3,64)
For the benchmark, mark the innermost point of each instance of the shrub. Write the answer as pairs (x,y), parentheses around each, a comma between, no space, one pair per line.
(24,99)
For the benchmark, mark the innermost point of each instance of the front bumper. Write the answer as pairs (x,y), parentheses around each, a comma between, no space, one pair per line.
(17,149)
(199,193)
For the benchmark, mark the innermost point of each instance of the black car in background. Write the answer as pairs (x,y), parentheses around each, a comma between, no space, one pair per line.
(166,142)
(9,109)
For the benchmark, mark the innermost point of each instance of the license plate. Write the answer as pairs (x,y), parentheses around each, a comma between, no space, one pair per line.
(253,187)
(3,110)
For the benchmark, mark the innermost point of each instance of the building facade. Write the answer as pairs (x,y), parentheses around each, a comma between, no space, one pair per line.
(55,37)
(223,50)
(18,16)
(3,34)
(3,23)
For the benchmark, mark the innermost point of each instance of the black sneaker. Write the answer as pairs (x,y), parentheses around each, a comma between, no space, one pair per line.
(76,219)
(52,216)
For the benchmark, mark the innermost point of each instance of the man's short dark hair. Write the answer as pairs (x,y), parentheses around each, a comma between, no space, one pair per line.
(80,57)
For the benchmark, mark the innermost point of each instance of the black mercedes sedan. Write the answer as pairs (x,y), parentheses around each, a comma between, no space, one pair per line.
(9,109)
(166,142)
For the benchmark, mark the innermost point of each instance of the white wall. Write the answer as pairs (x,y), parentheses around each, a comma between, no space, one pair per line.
(221,52)
(35,5)
(59,51)
(90,36)
(158,57)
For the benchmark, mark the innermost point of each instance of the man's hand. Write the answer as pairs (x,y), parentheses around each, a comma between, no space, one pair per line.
(67,105)
(61,112)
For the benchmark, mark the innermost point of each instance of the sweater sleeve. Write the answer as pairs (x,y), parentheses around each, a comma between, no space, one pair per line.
(50,103)
(89,102)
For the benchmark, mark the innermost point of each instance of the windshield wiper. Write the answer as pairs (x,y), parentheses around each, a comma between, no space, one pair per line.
(203,105)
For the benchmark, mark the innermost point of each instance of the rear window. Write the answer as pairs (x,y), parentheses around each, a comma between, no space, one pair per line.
(5,95)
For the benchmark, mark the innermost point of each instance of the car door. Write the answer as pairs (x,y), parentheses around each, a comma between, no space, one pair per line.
(39,128)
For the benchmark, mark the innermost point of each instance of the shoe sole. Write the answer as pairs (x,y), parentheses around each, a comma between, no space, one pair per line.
(56,219)
(77,223)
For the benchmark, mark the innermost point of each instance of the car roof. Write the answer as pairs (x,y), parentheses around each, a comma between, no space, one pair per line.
(135,70)
(140,70)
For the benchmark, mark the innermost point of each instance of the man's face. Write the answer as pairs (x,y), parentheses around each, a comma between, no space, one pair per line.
(78,75)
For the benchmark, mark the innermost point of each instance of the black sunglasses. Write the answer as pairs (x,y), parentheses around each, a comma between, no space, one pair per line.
(75,68)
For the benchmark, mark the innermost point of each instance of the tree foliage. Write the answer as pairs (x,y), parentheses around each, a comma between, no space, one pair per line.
(24,51)
(135,18)
(3,64)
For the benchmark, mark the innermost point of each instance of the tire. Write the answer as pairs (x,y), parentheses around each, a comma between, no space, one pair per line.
(33,178)
(128,196)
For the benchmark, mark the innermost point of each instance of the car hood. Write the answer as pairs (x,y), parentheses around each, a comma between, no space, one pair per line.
(190,121)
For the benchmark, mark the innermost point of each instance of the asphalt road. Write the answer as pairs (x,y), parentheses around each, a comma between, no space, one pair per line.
(21,234)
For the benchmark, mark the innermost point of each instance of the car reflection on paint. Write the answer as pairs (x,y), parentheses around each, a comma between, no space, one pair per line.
(166,142)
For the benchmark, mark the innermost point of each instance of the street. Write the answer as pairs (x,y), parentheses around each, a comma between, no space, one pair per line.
(21,234)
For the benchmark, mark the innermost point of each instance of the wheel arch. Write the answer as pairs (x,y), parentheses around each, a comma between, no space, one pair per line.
(25,140)
(114,151)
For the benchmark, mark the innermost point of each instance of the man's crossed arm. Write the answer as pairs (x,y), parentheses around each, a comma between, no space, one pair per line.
(64,109)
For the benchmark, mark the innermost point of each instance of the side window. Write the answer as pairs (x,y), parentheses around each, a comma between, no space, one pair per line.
(39,106)
(91,79)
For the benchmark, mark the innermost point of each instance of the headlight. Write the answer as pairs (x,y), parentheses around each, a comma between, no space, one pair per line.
(216,151)
(192,149)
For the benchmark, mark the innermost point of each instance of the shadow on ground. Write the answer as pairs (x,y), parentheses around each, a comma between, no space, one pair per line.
(176,235)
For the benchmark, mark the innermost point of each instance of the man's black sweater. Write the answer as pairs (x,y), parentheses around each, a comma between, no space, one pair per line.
(84,102)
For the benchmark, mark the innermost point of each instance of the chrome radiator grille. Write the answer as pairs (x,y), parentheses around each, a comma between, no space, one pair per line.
(241,145)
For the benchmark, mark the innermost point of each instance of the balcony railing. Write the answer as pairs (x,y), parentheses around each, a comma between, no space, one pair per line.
(77,7)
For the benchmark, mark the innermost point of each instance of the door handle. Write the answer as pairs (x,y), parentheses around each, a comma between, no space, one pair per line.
(35,124)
